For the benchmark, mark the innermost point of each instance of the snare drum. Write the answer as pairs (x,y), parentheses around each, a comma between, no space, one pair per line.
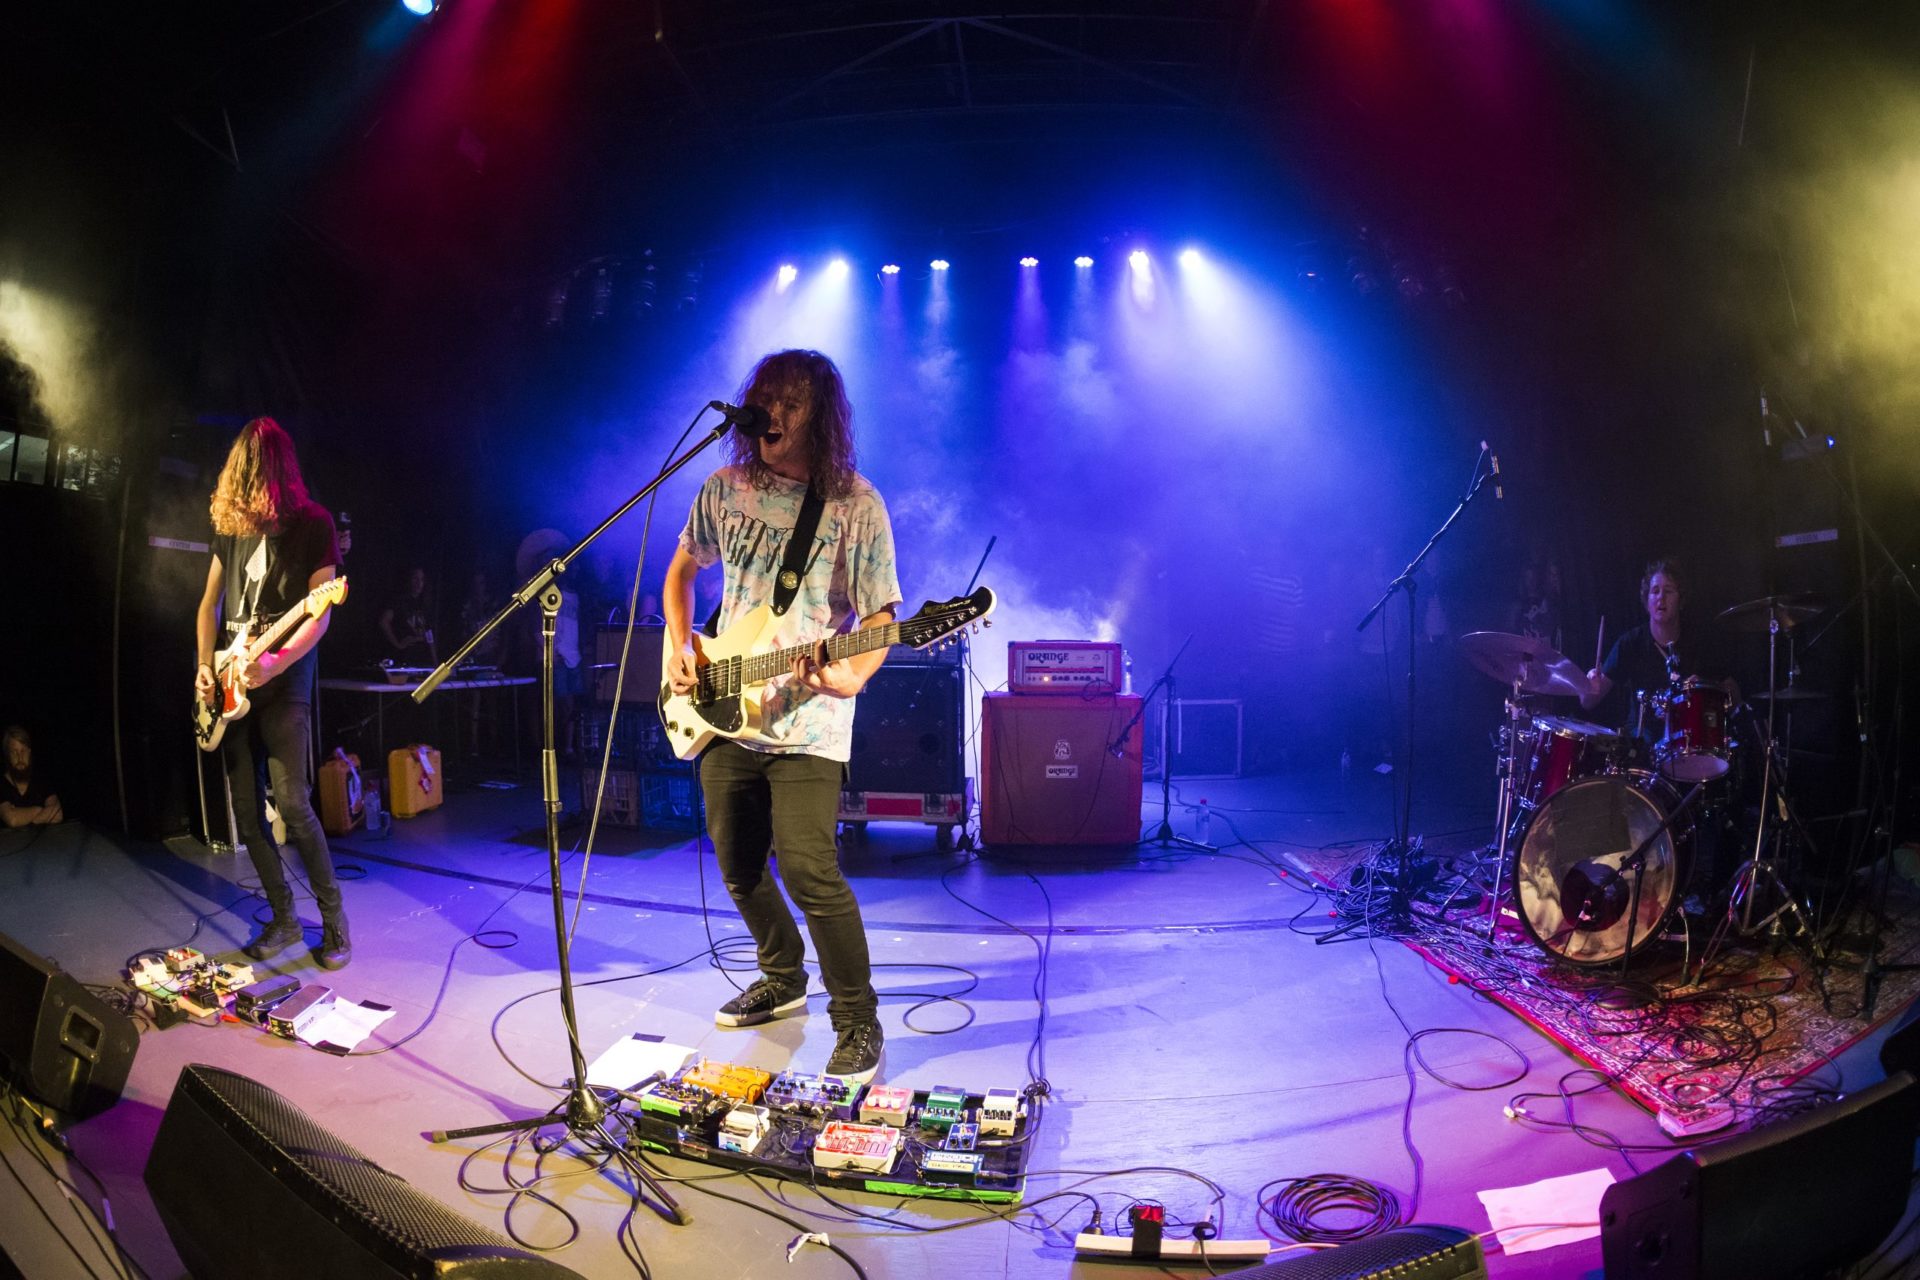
(1557,750)
(1695,746)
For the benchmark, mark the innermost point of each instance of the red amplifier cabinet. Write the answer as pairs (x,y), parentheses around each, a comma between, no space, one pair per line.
(1047,774)
(1065,666)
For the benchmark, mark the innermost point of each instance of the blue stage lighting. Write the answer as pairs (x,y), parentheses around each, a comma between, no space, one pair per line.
(1083,261)
(788,274)
(1029,262)
(1189,257)
(891,269)
(940,264)
(1138,259)
(419,8)
(837,269)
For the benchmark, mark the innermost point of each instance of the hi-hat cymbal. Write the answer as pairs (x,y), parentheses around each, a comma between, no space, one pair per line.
(1753,615)
(1789,694)
(1537,666)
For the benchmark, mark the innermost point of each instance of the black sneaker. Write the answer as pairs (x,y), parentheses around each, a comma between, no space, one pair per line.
(856,1055)
(274,937)
(336,947)
(763,1001)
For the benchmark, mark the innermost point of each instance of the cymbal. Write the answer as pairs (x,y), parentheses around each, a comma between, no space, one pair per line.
(1535,664)
(1788,694)
(1753,615)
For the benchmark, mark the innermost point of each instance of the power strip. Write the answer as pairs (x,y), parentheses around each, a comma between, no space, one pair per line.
(1121,1247)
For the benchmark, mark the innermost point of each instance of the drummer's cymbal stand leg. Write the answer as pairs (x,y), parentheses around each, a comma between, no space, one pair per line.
(1505,816)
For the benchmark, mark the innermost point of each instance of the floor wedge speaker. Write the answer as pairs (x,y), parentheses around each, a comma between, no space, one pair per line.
(248,1186)
(59,1042)
(1802,1197)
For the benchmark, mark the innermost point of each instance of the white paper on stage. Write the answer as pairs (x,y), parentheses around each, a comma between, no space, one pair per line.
(338,1025)
(631,1059)
(1519,1214)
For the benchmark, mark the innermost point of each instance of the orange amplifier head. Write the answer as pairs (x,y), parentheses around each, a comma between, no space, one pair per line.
(1065,666)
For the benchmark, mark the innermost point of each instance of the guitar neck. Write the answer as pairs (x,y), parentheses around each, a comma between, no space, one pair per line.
(273,635)
(762,667)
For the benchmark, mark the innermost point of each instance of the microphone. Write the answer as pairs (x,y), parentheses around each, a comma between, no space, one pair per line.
(1766,420)
(1499,494)
(750,420)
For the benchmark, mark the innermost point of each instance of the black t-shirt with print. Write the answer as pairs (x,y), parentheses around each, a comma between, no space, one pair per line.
(266,576)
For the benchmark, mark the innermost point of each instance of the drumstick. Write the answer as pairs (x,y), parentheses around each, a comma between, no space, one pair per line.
(1600,642)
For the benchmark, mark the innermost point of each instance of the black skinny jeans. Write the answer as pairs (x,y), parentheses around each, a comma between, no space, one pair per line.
(758,804)
(274,741)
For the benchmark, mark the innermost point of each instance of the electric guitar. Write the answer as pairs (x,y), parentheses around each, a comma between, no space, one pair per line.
(228,700)
(736,663)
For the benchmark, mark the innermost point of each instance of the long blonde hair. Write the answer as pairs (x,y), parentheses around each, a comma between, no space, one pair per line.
(260,485)
(829,432)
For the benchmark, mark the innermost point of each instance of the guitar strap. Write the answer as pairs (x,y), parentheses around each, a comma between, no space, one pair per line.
(794,565)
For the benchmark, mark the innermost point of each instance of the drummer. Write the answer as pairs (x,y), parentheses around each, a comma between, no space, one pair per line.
(1651,658)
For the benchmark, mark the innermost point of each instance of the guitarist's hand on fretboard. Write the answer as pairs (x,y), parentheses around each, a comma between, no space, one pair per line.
(835,678)
(262,669)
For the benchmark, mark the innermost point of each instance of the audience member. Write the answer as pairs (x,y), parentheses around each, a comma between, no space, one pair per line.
(25,799)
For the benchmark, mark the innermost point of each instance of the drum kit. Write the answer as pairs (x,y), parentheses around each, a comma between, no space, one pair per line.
(1597,842)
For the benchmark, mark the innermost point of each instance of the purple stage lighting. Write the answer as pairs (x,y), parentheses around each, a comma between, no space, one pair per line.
(1029,262)
(940,264)
(1189,257)
(891,269)
(788,274)
(1083,261)
(1138,261)
(838,269)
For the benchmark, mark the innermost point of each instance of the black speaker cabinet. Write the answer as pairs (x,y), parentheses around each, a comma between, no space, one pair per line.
(248,1186)
(1798,1198)
(908,728)
(1049,775)
(58,1041)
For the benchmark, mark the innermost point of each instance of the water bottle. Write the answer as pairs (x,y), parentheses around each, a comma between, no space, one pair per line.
(1205,824)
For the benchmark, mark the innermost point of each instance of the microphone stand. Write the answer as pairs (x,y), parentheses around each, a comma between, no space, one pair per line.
(1163,835)
(582,1111)
(1398,854)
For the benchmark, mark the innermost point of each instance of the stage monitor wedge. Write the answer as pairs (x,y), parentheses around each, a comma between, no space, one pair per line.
(248,1186)
(1799,1198)
(60,1043)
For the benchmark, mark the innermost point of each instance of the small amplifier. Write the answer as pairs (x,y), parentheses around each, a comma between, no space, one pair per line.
(286,1018)
(1065,666)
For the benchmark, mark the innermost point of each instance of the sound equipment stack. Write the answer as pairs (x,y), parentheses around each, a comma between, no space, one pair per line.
(647,785)
(1054,769)
(60,1043)
(909,731)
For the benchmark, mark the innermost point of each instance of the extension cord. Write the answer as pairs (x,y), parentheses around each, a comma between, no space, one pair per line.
(1094,1245)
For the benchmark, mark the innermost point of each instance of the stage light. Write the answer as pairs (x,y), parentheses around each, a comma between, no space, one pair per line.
(838,269)
(939,264)
(1138,260)
(1189,257)
(1083,261)
(1029,262)
(891,269)
(419,8)
(788,274)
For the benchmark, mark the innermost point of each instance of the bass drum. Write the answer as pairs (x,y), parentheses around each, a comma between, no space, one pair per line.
(1571,895)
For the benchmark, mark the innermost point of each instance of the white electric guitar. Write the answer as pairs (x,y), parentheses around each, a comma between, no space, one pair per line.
(735,664)
(228,700)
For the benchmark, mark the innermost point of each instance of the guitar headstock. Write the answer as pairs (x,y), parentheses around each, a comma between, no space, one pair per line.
(939,619)
(327,594)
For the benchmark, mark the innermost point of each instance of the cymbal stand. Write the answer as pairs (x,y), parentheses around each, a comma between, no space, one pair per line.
(1744,893)
(1509,802)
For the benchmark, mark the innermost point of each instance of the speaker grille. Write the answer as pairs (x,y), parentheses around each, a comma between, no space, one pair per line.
(413,1234)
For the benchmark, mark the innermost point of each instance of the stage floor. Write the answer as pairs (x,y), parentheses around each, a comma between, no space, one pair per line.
(1188,1026)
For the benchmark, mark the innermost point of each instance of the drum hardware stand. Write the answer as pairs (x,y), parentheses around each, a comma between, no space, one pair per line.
(1163,835)
(1507,817)
(1399,854)
(582,1111)
(1637,863)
